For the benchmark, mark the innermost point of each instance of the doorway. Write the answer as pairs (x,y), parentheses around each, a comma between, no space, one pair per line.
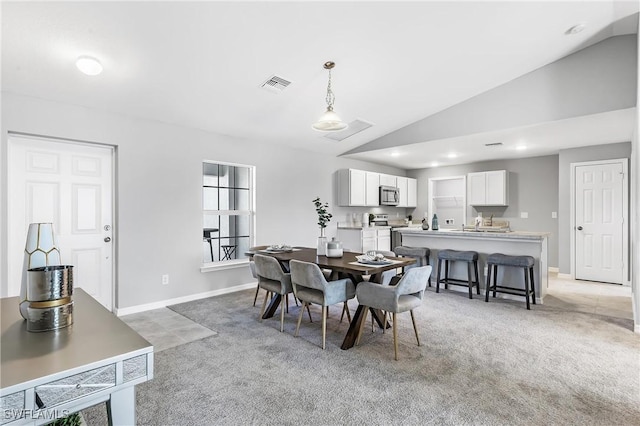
(599,221)
(69,184)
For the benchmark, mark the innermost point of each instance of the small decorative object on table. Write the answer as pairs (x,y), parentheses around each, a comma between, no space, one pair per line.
(434,222)
(425,224)
(323,218)
(334,248)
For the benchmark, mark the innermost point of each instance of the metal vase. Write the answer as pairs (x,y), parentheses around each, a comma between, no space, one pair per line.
(49,297)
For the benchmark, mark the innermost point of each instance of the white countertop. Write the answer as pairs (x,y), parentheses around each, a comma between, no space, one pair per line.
(359,227)
(473,234)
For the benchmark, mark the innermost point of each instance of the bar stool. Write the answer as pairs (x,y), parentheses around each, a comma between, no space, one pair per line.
(525,262)
(420,254)
(461,256)
(229,250)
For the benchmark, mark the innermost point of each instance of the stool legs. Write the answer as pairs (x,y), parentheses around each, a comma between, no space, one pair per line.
(438,276)
(469,280)
(470,272)
(533,287)
(529,284)
(526,286)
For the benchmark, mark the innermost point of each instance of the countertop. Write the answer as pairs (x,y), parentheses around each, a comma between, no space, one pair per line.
(522,235)
(360,227)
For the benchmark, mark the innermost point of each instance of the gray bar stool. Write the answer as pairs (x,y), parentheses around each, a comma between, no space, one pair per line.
(420,254)
(471,257)
(526,262)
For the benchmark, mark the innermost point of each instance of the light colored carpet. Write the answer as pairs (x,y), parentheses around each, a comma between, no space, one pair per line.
(479,363)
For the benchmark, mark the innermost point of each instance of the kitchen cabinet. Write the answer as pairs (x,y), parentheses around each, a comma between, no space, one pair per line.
(388,180)
(365,239)
(362,188)
(488,188)
(358,188)
(408,188)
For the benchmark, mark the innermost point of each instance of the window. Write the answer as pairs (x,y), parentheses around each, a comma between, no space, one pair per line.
(227,202)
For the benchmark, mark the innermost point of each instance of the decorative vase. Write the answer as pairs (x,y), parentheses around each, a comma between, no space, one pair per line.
(425,224)
(322,244)
(434,223)
(40,250)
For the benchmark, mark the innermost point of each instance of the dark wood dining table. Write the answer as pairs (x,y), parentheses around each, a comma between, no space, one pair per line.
(346,266)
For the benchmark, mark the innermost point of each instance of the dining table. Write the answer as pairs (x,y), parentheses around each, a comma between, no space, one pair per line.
(346,266)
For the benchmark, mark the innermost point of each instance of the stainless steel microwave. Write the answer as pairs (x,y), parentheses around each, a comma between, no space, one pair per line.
(389,196)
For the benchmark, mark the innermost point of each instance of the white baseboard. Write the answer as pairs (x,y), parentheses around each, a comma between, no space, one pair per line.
(554,269)
(183,299)
(567,276)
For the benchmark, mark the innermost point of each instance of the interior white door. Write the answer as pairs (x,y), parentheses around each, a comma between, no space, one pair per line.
(69,185)
(599,222)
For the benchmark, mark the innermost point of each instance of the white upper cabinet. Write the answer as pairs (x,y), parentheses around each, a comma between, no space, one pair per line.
(388,180)
(372,196)
(488,188)
(362,188)
(412,192)
(358,188)
(403,191)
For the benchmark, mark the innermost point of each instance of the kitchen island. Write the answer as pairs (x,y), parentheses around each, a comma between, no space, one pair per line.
(485,243)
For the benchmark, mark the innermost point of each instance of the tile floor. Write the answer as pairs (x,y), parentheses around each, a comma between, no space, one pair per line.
(164,328)
(611,300)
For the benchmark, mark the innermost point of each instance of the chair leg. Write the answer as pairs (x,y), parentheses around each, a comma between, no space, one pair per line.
(324,325)
(488,283)
(438,276)
(300,319)
(264,305)
(446,274)
(256,296)
(365,311)
(495,280)
(526,286)
(395,335)
(533,287)
(286,301)
(413,320)
(475,266)
(469,280)
(282,314)
(346,309)
(308,311)
(429,280)
(384,323)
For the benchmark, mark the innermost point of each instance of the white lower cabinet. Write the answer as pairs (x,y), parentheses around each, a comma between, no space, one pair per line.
(363,240)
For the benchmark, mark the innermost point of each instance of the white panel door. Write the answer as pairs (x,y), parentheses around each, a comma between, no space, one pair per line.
(599,222)
(69,185)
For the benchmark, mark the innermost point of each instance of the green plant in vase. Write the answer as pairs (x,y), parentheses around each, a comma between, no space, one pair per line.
(323,219)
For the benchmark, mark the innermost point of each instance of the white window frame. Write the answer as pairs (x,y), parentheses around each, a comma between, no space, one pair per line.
(251,212)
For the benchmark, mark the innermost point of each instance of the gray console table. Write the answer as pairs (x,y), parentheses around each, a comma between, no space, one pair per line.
(47,375)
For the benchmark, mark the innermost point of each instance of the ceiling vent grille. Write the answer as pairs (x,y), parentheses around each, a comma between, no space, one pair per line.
(493,144)
(356,126)
(275,84)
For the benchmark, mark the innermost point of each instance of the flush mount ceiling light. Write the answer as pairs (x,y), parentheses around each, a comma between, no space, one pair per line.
(521,147)
(576,28)
(89,65)
(452,155)
(329,121)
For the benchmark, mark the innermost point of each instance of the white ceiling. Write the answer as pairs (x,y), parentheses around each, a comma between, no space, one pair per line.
(201,64)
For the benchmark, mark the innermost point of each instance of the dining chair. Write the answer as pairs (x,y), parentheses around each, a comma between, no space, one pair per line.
(273,279)
(311,286)
(404,296)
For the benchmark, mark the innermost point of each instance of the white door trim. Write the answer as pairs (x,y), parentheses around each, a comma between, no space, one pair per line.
(625,212)
(114,197)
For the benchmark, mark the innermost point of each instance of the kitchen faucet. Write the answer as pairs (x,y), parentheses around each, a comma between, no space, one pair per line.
(491,220)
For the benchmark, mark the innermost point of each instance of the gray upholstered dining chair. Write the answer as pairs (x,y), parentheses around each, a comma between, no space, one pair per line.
(405,296)
(311,286)
(273,279)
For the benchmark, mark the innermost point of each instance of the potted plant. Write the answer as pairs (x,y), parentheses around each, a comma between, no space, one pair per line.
(323,219)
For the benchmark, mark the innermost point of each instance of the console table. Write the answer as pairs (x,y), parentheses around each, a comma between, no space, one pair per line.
(48,375)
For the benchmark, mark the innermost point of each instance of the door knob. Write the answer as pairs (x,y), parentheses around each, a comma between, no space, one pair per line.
(579,228)
(107,239)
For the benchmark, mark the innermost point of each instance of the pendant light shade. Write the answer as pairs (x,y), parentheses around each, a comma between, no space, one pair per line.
(329,121)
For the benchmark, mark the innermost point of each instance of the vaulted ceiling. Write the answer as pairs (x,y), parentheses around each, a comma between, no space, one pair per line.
(202,64)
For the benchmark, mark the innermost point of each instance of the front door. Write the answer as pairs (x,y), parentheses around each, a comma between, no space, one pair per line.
(69,185)
(599,222)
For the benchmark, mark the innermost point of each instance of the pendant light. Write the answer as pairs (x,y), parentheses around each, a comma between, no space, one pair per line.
(329,121)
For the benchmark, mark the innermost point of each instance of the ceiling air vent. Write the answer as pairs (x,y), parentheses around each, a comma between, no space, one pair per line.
(493,144)
(275,84)
(356,126)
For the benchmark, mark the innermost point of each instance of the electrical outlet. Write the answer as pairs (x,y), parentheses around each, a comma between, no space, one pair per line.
(165,279)
(554,215)
(449,222)
(524,215)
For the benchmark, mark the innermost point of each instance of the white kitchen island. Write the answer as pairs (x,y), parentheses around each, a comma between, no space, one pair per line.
(485,243)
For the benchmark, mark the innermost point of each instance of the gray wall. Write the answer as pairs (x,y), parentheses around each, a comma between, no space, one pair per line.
(533,188)
(158,229)
(599,78)
(577,155)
